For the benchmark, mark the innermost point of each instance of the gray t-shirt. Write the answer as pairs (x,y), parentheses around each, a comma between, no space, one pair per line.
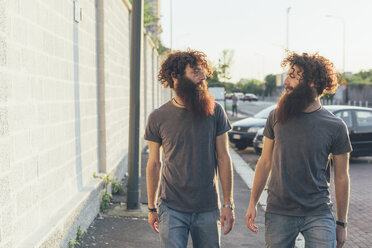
(235,100)
(300,176)
(189,180)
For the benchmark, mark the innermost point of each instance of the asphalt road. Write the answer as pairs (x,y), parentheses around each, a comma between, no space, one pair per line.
(250,108)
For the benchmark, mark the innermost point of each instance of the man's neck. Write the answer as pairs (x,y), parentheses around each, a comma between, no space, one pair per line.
(313,106)
(177,101)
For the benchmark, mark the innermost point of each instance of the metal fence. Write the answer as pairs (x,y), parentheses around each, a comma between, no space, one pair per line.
(350,103)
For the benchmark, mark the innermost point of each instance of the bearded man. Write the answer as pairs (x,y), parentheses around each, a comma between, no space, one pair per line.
(299,137)
(192,130)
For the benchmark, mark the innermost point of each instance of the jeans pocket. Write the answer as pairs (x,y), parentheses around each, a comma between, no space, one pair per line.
(161,209)
(267,218)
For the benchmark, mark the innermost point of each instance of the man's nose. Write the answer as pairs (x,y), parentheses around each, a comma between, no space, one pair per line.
(285,81)
(202,76)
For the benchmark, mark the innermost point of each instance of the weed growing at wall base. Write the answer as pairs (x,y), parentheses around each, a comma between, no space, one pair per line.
(73,243)
(106,197)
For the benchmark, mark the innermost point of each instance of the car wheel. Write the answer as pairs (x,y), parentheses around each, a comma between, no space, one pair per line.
(240,146)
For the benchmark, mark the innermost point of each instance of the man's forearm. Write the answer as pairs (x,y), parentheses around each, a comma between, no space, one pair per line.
(153,176)
(342,192)
(226,178)
(261,175)
(342,185)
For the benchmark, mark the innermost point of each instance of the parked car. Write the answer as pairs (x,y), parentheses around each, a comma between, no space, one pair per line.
(240,95)
(258,141)
(243,131)
(358,121)
(250,97)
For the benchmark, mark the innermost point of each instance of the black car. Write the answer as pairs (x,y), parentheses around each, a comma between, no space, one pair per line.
(258,141)
(358,121)
(245,130)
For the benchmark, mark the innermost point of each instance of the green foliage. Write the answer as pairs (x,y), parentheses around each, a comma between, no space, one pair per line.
(105,203)
(360,79)
(224,65)
(76,242)
(216,84)
(250,86)
(159,46)
(221,73)
(149,19)
(73,243)
(214,78)
(148,16)
(365,75)
(115,186)
(270,84)
(79,234)
(229,87)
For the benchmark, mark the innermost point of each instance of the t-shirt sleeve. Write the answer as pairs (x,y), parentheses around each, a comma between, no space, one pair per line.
(223,124)
(341,143)
(152,132)
(269,126)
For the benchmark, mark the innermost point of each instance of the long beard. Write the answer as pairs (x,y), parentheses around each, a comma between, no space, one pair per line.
(196,97)
(294,103)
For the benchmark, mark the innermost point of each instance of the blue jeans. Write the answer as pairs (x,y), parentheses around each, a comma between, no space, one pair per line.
(175,226)
(282,230)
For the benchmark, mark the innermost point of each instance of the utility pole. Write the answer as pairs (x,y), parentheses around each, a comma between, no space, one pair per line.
(287,38)
(171,25)
(134,156)
(343,49)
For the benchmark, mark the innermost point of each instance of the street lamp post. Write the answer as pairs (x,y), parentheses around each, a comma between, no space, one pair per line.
(343,46)
(171,25)
(262,65)
(343,39)
(287,38)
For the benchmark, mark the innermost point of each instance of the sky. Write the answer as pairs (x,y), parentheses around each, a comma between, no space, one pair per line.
(256,31)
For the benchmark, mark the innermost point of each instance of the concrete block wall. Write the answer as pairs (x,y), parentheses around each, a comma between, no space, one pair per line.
(117,80)
(148,85)
(49,115)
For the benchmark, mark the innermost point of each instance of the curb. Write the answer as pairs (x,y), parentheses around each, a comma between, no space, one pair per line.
(247,174)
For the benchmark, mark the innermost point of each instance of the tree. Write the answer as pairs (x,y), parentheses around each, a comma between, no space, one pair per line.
(224,64)
(270,84)
(222,72)
(361,78)
(215,82)
(148,16)
(249,86)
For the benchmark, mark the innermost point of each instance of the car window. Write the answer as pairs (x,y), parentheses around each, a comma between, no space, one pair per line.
(345,116)
(363,118)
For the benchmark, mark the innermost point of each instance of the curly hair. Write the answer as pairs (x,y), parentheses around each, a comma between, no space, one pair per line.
(315,69)
(176,62)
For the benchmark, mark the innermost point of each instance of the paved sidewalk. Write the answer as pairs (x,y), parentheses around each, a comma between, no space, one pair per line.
(114,231)
(359,218)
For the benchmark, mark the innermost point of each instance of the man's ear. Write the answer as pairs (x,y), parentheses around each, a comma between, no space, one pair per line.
(312,85)
(174,77)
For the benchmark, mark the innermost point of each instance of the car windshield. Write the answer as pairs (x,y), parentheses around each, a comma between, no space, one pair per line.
(263,114)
